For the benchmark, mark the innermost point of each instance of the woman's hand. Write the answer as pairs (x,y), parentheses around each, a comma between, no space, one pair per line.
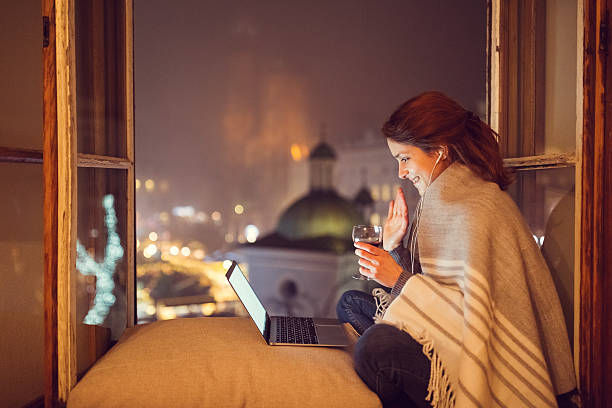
(377,264)
(397,222)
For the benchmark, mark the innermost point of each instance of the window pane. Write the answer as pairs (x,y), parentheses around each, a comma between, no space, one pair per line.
(21,284)
(101,262)
(546,199)
(560,84)
(100,60)
(20,75)
(542,79)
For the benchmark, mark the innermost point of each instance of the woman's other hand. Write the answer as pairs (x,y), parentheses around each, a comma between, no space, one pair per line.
(377,264)
(397,222)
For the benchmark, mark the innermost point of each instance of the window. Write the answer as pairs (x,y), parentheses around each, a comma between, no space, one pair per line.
(89,185)
(534,47)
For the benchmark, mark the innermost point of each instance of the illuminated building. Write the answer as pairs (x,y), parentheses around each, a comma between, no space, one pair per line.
(303,266)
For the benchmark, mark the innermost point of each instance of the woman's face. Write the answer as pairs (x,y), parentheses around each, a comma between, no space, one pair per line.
(416,165)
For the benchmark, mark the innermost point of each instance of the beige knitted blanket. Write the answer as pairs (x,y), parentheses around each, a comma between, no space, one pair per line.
(485,308)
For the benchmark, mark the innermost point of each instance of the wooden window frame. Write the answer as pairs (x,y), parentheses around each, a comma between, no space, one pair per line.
(592,160)
(60,163)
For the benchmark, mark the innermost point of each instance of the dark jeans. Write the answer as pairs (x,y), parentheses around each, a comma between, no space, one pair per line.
(357,308)
(387,359)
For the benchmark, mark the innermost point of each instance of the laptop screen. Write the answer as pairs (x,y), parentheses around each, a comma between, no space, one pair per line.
(247,296)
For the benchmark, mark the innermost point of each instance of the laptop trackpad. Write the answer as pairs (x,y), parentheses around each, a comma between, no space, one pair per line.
(331,334)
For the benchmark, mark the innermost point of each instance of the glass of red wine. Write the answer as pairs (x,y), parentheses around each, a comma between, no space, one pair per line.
(369,234)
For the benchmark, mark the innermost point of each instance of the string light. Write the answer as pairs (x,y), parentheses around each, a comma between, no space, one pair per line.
(103,271)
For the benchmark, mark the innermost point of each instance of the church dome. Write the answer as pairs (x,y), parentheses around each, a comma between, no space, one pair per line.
(319,214)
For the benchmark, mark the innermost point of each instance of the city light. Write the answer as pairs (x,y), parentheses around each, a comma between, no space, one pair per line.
(296,152)
(149,251)
(238,209)
(216,216)
(375,191)
(137,244)
(229,237)
(183,211)
(199,254)
(208,309)
(163,216)
(226,264)
(137,184)
(149,185)
(385,193)
(174,250)
(251,232)
(201,216)
(163,186)
(185,251)
(153,236)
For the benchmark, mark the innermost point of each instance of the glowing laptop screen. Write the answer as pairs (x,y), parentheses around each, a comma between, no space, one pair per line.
(247,296)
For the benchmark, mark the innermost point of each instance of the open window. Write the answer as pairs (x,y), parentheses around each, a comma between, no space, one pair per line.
(547,88)
(89,185)
(534,79)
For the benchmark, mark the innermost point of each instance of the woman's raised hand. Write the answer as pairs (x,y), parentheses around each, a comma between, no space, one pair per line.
(397,222)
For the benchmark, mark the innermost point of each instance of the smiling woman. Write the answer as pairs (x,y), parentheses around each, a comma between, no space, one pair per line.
(450,288)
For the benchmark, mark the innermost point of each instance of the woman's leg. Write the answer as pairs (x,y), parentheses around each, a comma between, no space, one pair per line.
(357,308)
(393,365)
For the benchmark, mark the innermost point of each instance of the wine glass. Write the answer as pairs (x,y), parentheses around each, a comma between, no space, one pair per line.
(370,234)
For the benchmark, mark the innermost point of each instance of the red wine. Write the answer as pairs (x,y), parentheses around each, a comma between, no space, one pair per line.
(372,240)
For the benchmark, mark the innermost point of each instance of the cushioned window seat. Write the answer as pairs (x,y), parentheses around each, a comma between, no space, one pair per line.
(218,362)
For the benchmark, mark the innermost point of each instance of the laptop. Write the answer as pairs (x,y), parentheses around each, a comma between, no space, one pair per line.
(285,330)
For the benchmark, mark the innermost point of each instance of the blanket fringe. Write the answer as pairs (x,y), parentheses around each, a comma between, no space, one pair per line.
(383,300)
(440,390)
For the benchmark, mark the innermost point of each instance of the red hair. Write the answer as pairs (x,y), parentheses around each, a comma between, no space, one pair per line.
(431,120)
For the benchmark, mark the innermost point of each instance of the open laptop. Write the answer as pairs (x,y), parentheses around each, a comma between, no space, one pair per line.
(285,330)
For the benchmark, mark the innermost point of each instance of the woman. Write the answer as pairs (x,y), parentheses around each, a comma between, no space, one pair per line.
(473,318)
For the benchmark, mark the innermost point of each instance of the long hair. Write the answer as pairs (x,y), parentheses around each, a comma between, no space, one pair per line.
(432,119)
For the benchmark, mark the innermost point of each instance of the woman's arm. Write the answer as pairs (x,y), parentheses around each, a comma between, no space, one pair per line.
(401,255)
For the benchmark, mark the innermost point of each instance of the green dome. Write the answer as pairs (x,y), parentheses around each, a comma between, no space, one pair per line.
(319,214)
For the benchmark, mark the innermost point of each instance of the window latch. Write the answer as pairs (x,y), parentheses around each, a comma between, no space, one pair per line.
(45,31)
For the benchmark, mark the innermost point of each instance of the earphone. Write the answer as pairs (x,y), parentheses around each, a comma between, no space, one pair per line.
(419,209)
(440,153)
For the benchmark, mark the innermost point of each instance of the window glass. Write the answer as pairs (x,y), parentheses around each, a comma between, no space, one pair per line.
(560,83)
(100,78)
(21,75)
(100,276)
(546,199)
(21,284)
(253,107)
(542,109)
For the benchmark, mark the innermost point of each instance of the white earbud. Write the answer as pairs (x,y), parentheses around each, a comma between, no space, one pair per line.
(440,153)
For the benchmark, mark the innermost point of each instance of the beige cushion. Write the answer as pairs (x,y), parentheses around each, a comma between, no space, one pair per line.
(218,362)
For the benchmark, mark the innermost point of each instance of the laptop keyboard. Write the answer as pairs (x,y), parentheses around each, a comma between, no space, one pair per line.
(296,330)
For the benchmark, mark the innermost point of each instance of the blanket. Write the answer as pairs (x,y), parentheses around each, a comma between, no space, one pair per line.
(485,307)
